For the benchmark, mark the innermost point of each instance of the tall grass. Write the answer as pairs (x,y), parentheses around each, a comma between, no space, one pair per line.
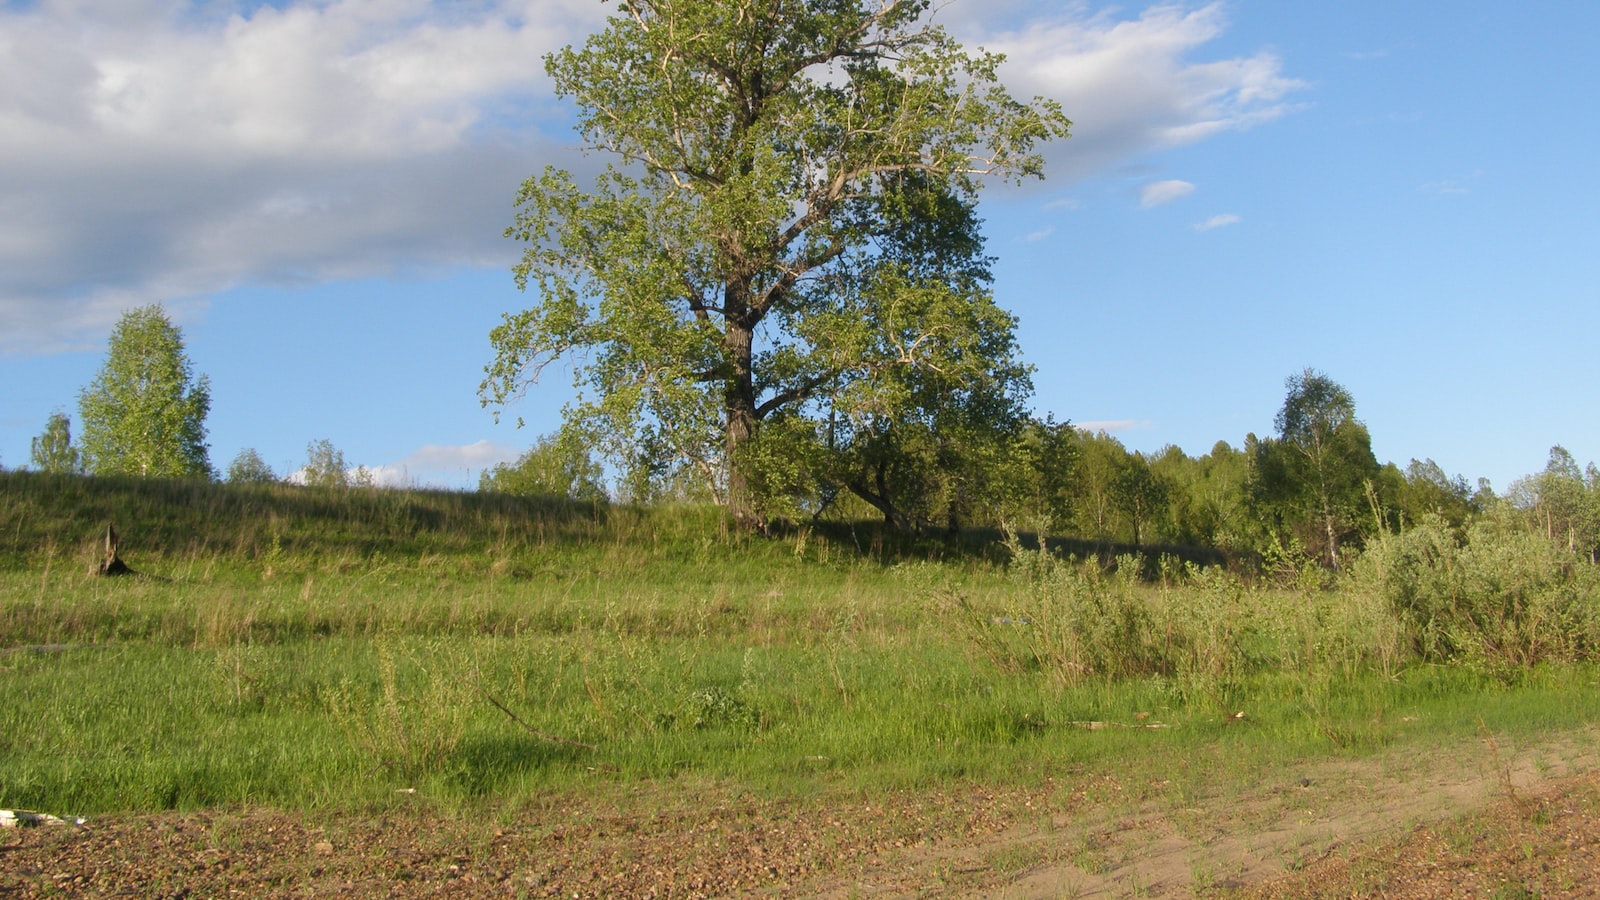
(309,648)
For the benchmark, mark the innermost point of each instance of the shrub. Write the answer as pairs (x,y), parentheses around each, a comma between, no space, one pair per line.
(1502,598)
(249,468)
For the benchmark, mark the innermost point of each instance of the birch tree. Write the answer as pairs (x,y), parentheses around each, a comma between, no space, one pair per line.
(145,412)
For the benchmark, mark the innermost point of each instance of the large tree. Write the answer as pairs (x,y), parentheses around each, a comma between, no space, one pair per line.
(145,413)
(1319,470)
(791,179)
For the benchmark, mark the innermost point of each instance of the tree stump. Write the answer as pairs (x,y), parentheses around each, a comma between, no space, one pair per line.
(112,564)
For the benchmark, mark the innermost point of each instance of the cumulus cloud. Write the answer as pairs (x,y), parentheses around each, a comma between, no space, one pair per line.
(1158,192)
(445,465)
(165,150)
(157,150)
(1218,221)
(477,455)
(1134,85)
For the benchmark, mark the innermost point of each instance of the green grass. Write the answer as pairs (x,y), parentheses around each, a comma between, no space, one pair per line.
(334,649)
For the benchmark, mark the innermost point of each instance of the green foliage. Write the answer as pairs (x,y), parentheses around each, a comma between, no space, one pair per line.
(1501,598)
(938,403)
(1426,489)
(53,451)
(557,465)
(1038,478)
(1202,633)
(1208,501)
(1100,459)
(325,466)
(1316,476)
(1563,503)
(791,227)
(249,468)
(1139,493)
(1074,622)
(144,414)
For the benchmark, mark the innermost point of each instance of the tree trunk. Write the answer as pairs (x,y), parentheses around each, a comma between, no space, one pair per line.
(1333,536)
(739,405)
(880,502)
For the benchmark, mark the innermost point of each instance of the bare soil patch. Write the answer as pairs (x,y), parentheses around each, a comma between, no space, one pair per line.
(1479,820)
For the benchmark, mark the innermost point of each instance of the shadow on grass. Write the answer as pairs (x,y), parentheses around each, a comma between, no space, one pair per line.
(483,765)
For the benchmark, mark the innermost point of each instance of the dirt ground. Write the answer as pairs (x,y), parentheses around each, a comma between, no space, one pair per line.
(1476,821)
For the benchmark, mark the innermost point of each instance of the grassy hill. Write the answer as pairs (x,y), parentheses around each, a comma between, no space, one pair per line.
(303,648)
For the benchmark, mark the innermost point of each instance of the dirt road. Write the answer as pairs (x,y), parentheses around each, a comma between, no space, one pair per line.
(1471,821)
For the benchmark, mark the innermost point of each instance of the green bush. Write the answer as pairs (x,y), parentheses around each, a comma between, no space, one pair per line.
(1502,598)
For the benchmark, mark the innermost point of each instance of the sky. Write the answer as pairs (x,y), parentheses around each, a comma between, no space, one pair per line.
(1399,194)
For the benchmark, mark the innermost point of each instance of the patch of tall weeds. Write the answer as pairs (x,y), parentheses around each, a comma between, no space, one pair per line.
(1069,621)
(412,721)
(1200,633)
(1500,598)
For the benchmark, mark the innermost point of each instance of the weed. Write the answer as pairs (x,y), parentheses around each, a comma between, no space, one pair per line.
(413,722)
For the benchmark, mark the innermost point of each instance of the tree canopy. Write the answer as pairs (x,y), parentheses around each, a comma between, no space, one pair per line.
(785,239)
(249,468)
(145,412)
(555,466)
(1319,472)
(52,451)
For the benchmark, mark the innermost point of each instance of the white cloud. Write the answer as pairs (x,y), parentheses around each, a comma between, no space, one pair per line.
(1039,235)
(158,150)
(477,455)
(1158,192)
(444,465)
(1218,221)
(1130,85)
(164,150)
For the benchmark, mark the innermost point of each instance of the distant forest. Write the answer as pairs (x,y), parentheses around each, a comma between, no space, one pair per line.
(1312,492)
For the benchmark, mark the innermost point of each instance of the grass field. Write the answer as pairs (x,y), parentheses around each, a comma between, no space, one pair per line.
(355,651)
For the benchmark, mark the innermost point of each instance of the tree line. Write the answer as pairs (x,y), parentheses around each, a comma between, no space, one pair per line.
(144,414)
(777,297)
(1313,489)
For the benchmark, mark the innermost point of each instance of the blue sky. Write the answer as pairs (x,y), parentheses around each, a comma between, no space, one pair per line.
(1401,197)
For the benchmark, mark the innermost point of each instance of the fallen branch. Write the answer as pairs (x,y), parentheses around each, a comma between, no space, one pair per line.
(543,735)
